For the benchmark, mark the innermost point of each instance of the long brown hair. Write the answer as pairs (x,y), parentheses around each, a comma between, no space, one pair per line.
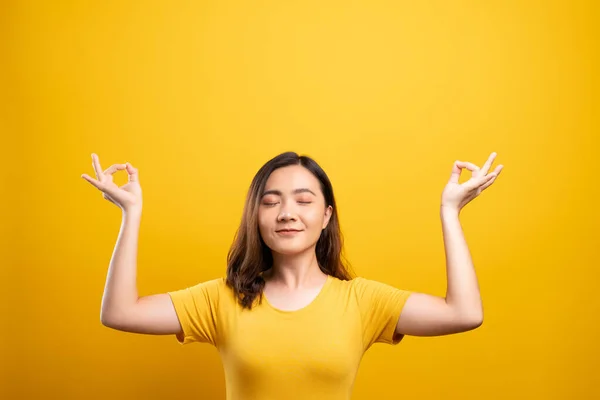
(249,256)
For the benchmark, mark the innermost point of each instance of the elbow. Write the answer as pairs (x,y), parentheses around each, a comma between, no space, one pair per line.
(113,323)
(470,320)
(116,316)
(105,320)
(108,319)
(476,323)
(472,323)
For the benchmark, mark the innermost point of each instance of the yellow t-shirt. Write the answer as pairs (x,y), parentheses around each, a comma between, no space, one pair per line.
(311,353)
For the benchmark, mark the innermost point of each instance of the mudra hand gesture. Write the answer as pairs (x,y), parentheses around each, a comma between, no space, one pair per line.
(455,195)
(127,197)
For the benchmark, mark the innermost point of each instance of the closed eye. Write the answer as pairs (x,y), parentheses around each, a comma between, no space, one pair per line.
(273,204)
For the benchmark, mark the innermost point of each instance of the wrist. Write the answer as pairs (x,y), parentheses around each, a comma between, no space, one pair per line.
(132,213)
(449,211)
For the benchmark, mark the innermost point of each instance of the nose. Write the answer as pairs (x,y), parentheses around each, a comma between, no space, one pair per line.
(285,216)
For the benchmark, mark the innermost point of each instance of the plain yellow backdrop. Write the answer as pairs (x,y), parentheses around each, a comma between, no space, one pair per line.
(384,95)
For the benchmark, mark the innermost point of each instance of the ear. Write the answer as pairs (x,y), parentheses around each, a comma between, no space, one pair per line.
(327,216)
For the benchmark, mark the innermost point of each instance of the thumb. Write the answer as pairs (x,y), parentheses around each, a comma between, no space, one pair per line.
(132,172)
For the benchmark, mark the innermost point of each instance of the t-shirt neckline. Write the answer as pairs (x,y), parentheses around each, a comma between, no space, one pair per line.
(306,307)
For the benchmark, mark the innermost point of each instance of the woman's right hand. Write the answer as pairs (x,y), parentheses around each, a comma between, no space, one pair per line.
(127,197)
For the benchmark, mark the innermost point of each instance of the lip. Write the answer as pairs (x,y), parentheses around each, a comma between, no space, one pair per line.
(288,232)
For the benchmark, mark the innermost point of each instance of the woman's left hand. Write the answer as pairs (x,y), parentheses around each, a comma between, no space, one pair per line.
(455,195)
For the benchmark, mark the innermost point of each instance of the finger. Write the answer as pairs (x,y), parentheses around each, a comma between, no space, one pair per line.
(457,169)
(478,182)
(91,180)
(132,172)
(488,163)
(470,166)
(96,165)
(114,168)
(489,181)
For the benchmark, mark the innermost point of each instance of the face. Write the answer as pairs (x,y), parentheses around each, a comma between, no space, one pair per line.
(293,201)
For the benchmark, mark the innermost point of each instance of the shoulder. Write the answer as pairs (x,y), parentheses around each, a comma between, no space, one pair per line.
(357,285)
(213,284)
(212,288)
(364,287)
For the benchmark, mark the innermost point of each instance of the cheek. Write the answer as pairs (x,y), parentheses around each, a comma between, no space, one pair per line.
(314,220)
(262,221)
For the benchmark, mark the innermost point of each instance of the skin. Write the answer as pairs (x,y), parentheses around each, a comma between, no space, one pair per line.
(295,278)
(461,309)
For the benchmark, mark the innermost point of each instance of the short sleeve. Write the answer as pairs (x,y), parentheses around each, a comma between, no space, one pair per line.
(196,309)
(380,306)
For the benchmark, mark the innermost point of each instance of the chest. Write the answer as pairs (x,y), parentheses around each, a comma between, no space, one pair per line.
(320,345)
(290,300)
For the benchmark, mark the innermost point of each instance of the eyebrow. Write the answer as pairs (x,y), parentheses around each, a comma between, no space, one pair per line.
(278,192)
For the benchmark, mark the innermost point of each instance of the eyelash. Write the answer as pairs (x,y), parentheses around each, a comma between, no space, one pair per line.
(272,204)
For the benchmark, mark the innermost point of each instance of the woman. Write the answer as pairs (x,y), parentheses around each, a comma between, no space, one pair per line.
(288,320)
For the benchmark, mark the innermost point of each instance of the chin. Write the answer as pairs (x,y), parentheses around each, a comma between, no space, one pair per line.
(288,250)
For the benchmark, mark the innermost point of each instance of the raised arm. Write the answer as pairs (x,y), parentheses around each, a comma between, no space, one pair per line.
(461,310)
(122,308)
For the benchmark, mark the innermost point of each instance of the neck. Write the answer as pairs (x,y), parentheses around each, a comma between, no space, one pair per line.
(296,270)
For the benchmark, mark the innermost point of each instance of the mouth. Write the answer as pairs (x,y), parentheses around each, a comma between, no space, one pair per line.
(288,231)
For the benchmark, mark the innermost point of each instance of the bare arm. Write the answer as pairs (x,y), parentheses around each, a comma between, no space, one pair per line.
(122,308)
(462,309)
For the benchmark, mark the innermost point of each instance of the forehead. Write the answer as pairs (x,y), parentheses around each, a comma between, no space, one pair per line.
(292,177)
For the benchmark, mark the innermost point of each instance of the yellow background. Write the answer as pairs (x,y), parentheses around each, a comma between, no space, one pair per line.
(384,95)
